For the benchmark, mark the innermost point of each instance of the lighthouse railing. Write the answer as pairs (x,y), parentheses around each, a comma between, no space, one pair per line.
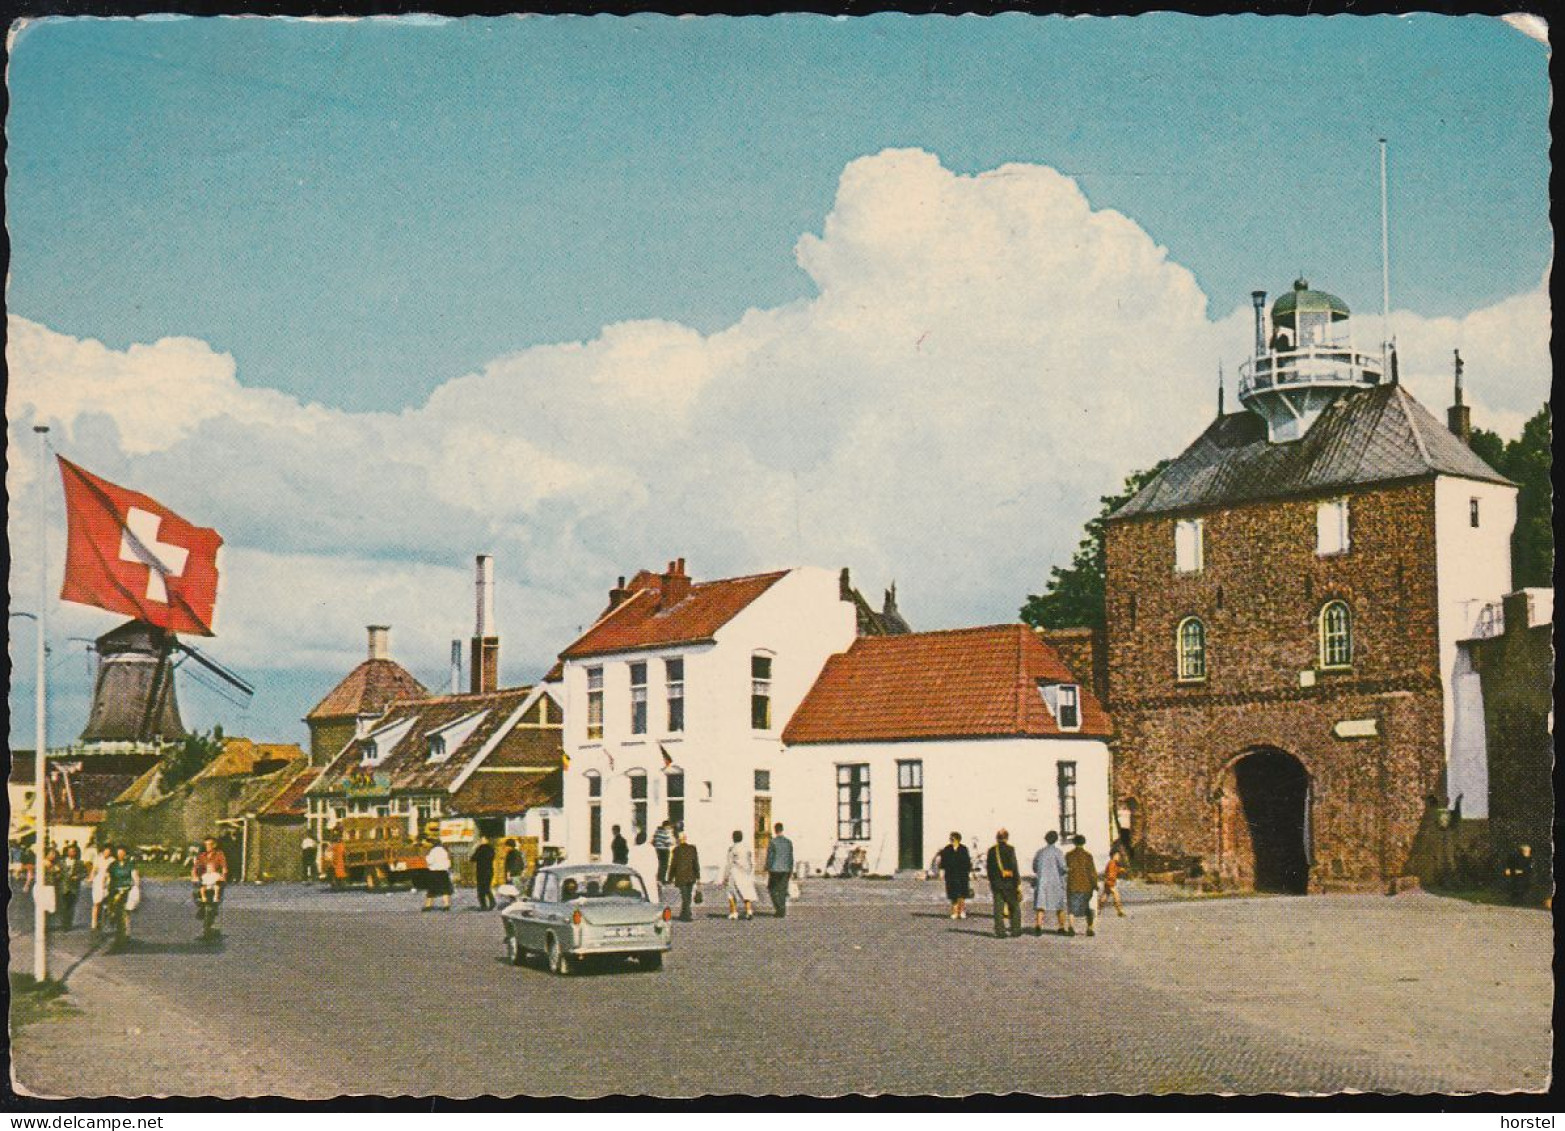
(1310,365)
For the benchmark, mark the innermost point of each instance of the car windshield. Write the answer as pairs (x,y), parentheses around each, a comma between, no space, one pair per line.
(602,885)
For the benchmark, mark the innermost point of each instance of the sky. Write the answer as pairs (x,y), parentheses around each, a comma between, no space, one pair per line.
(905,294)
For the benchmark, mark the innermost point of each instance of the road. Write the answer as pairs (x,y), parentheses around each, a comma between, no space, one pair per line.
(865,987)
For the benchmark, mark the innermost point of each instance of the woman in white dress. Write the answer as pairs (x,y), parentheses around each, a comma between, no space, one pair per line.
(739,875)
(100,885)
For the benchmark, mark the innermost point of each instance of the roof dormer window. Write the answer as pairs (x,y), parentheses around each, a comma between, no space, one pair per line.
(440,744)
(1064,702)
(376,746)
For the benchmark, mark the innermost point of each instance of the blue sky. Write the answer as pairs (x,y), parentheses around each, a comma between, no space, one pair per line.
(360,211)
(902,294)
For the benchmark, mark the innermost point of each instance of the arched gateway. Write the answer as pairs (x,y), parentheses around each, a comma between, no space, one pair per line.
(1266,821)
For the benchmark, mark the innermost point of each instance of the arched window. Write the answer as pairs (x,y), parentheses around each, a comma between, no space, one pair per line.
(1336,635)
(1191,642)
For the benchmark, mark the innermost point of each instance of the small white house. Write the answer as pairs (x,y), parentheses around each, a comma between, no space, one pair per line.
(905,739)
(676,698)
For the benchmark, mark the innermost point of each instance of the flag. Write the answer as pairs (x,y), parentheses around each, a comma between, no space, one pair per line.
(130,554)
(668,761)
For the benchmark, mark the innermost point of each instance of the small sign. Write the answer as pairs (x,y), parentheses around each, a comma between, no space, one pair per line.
(365,784)
(458,829)
(1032,795)
(1357,728)
(1307,678)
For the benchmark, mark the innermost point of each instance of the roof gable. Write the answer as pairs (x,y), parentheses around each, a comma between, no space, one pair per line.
(962,683)
(1366,436)
(638,622)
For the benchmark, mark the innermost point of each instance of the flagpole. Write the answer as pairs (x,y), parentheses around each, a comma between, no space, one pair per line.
(41,720)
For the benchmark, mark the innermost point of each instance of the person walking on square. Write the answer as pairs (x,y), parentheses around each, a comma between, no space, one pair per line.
(1006,885)
(309,862)
(663,844)
(1081,881)
(483,874)
(779,870)
(437,861)
(739,876)
(1048,885)
(515,864)
(72,873)
(1112,871)
(100,884)
(619,847)
(1518,873)
(684,869)
(955,864)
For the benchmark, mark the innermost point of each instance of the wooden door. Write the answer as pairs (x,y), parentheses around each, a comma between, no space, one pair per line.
(763,830)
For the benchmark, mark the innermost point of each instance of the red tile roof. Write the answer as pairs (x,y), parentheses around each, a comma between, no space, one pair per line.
(964,683)
(368,690)
(637,622)
(490,793)
(290,802)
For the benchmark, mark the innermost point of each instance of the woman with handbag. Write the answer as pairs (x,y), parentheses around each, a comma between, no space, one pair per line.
(739,876)
(123,893)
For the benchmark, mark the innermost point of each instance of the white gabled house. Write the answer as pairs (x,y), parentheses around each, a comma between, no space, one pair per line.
(676,699)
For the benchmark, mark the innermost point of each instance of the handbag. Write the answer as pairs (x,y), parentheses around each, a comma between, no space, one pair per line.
(793,889)
(698,897)
(133,900)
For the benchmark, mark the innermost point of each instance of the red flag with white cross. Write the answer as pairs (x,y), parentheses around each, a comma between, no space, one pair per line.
(130,554)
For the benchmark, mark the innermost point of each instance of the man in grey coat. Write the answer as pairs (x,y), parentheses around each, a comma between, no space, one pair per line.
(1048,893)
(779,869)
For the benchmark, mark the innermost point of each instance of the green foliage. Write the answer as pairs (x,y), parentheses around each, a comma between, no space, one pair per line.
(1526,461)
(1073,597)
(189,758)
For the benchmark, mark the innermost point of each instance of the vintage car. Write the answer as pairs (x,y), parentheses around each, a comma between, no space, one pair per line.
(573,912)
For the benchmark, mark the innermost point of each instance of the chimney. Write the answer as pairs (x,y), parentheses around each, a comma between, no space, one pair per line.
(380,641)
(485,666)
(1459,418)
(675,587)
(888,607)
(1259,299)
(456,667)
(844,585)
(618,595)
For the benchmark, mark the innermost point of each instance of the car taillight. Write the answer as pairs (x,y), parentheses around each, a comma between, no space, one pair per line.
(668,914)
(576,917)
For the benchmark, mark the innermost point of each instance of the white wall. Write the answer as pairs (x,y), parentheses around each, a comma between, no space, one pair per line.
(1473,567)
(800,621)
(972,786)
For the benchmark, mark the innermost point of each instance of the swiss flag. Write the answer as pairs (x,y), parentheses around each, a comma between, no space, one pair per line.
(130,554)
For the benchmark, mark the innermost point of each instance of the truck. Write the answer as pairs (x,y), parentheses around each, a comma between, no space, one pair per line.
(374,851)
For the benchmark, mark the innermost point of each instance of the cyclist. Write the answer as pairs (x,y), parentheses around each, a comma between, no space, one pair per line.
(208,873)
(123,879)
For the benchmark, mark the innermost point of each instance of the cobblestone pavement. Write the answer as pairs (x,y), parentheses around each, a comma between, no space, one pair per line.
(865,987)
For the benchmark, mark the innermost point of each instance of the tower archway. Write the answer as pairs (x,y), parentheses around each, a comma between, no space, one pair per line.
(1267,820)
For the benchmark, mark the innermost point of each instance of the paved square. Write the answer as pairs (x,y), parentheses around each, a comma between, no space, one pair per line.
(865,987)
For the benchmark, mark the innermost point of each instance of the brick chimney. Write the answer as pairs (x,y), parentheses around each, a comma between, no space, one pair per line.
(619,594)
(675,585)
(1459,417)
(380,641)
(485,666)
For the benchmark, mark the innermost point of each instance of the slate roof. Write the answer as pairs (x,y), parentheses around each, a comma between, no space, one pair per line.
(638,623)
(408,766)
(1366,436)
(962,683)
(367,690)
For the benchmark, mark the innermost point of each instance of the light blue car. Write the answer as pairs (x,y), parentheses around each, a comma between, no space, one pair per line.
(572,912)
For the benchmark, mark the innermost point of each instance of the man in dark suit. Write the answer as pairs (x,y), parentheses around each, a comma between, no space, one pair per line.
(619,848)
(483,874)
(684,869)
(1006,884)
(779,870)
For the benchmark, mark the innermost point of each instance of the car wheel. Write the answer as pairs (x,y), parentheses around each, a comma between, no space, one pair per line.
(653,961)
(514,951)
(559,962)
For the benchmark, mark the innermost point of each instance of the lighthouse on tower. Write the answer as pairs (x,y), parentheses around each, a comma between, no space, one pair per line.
(1305,363)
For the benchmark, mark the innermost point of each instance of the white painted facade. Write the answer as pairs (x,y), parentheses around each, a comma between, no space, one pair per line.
(974,786)
(798,622)
(1472,570)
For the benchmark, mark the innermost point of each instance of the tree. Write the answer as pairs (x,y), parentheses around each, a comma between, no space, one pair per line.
(1526,461)
(193,754)
(1074,595)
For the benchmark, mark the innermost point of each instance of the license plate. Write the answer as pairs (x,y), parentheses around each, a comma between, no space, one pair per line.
(624,932)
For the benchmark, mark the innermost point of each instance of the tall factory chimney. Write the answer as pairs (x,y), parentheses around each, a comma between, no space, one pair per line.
(486,645)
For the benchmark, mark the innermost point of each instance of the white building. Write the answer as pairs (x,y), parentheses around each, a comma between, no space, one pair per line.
(905,739)
(676,699)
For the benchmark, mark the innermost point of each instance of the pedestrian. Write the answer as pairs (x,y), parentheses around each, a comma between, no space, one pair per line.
(684,868)
(663,843)
(1112,871)
(955,863)
(437,861)
(1081,881)
(619,848)
(100,885)
(309,865)
(1048,884)
(72,873)
(1518,873)
(515,864)
(779,870)
(483,874)
(1006,886)
(48,890)
(739,875)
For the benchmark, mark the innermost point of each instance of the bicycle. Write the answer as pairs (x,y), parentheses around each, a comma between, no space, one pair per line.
(116,911)
(209,901)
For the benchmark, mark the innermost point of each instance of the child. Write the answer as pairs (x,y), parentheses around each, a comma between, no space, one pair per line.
(1112,871)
